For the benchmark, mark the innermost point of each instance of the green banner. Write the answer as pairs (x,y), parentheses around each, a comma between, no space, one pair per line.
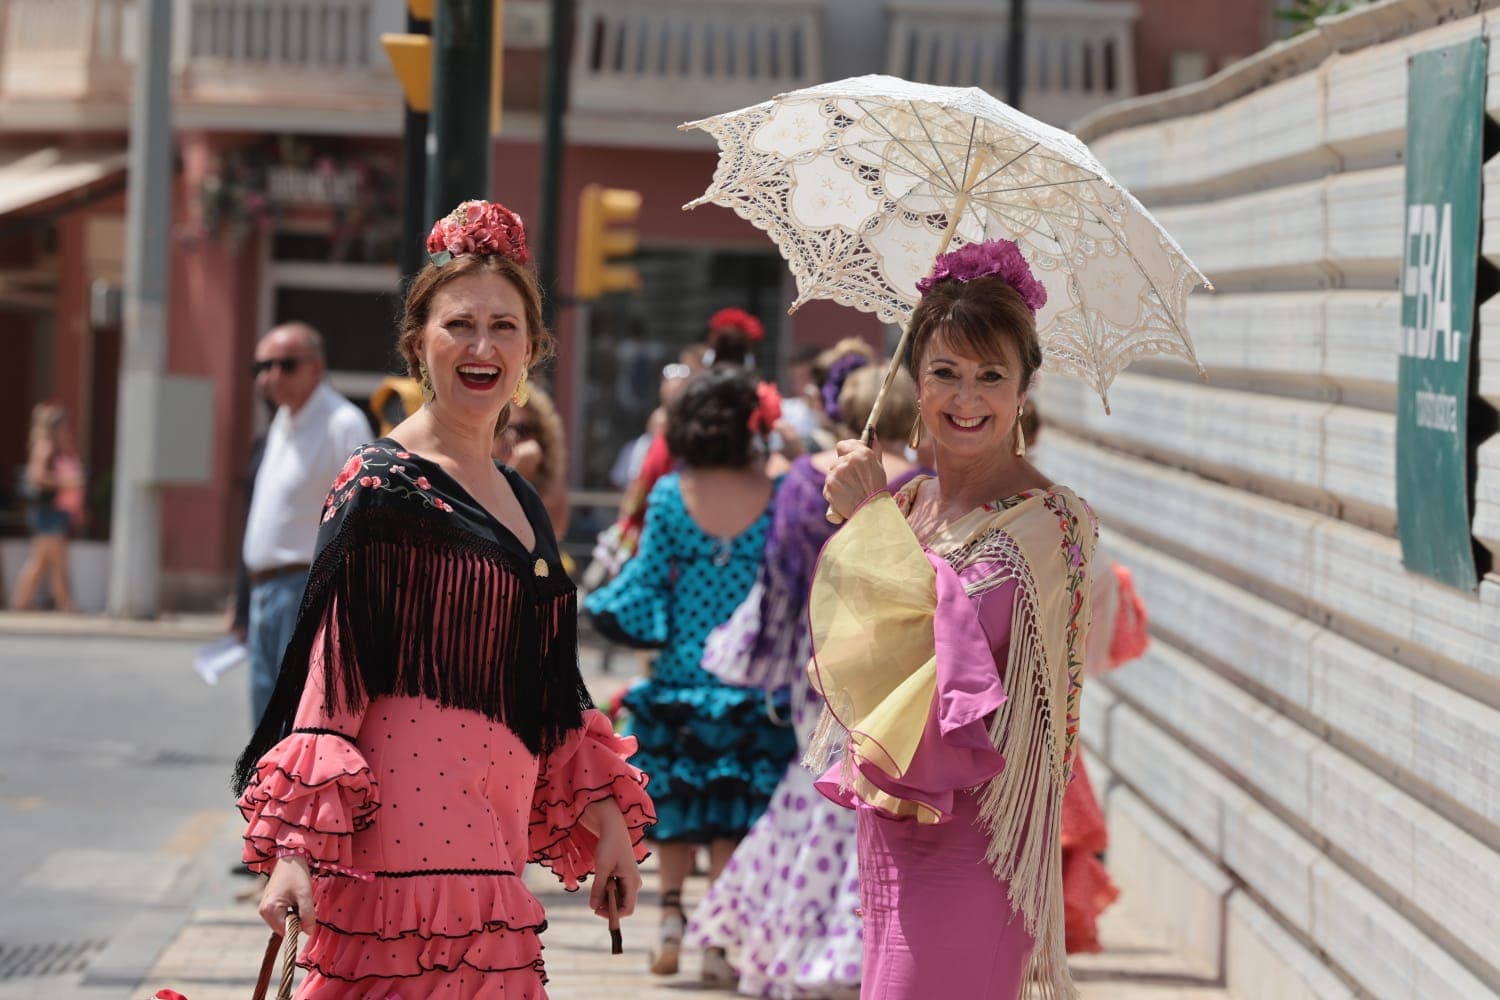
(1444,156)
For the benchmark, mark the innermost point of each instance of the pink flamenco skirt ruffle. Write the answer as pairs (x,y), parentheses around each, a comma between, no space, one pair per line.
(448,935)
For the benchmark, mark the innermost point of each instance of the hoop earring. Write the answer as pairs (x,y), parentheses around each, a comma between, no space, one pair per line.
(914,439)
(424,381)
(522,395)
(1020,434)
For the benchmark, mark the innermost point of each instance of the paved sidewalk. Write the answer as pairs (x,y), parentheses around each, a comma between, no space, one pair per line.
(215,956)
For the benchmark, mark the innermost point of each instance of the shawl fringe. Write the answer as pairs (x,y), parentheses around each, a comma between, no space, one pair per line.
(418,607)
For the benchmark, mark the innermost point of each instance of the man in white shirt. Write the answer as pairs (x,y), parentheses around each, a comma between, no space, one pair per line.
(310,437)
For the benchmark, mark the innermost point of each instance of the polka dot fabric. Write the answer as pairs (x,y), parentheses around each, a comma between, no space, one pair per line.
(418,820)
(713,753)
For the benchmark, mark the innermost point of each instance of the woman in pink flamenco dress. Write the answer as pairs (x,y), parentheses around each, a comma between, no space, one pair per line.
(430,732)
(948,625)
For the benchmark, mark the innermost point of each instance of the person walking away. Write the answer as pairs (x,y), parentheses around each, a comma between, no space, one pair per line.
(714,754)
(313,431)
(53,485)
(789,897)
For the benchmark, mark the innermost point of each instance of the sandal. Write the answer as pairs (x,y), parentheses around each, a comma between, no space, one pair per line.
(667,955)
(717,973)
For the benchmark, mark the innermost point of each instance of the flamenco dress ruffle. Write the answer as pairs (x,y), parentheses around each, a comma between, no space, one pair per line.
(428,900)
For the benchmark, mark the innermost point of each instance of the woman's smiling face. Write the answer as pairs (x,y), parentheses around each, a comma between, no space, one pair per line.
(475,345)
(969,404)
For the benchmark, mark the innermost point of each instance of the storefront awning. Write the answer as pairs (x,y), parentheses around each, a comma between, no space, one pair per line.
(32,178)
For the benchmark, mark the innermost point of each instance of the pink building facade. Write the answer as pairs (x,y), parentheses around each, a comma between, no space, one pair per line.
(287,197)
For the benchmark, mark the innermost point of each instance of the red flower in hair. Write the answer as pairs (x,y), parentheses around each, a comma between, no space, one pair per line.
(481,228)
(768,411)
(737,319)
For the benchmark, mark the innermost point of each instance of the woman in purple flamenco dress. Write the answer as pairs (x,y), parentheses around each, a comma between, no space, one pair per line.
(949,623)
(788,899)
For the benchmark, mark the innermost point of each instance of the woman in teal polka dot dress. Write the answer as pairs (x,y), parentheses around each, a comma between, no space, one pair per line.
(713,751)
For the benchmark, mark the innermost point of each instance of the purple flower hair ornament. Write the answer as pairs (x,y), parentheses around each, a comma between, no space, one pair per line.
(999,258)
(833,385)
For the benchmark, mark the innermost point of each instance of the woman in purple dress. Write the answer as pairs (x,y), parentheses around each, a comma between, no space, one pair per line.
(788,898)
(948,624)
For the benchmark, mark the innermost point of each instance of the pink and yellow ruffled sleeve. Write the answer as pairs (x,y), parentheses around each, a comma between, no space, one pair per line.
(312,791)
(590,766)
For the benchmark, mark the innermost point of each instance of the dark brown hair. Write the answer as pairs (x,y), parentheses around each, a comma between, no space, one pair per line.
(981,316)
(433,278)
(708,424)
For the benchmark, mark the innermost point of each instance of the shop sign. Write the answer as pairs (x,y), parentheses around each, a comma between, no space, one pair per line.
(1440,257)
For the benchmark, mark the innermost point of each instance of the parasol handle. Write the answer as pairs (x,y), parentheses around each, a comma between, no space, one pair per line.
(891,369)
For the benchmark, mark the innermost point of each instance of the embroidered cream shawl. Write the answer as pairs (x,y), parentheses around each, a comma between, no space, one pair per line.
(871,608)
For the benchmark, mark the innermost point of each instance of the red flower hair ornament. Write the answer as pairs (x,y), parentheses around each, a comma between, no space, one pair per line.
(736,319)
(765,415)
(479,229)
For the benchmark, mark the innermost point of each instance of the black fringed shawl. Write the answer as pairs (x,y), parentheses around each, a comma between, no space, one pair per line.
(426,594)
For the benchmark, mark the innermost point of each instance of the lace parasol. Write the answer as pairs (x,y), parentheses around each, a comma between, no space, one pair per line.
(862,183)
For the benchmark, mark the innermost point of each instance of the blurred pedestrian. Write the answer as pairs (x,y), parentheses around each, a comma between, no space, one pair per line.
(732,337)
(920,606)
(534,444)
(790,894)
(313,431)
(53,488)
(431,733)
(713,752)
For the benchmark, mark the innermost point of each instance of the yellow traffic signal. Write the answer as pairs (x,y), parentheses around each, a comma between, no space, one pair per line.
(395,399)
(411,59)
(599,208)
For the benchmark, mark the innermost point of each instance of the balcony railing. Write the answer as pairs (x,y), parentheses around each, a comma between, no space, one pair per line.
(241,49)
(683,58)
(1078,53)
(67,49)
(321,54)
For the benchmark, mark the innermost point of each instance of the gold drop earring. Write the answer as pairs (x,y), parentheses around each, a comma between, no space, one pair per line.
(523,392)
(424,380)
(1020,434)
(914,439)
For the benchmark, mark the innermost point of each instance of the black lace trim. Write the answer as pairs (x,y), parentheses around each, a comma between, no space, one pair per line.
(316,731)
(420,872)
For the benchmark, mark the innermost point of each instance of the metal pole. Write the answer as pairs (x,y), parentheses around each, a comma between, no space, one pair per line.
(414,217)
(1015,56)
(458,142)
(135,521)
(552,156)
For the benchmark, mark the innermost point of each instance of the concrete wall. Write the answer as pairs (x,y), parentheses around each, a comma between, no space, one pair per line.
(1303,774)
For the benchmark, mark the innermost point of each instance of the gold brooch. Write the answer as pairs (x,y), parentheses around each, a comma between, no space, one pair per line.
(540,569)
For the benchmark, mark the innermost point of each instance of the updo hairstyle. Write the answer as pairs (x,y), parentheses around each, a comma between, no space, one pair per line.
(708,424)
(980,316)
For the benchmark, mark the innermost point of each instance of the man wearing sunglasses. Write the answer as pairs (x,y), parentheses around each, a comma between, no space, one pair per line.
(309,439)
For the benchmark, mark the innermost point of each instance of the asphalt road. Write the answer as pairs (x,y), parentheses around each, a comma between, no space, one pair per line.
(114,797)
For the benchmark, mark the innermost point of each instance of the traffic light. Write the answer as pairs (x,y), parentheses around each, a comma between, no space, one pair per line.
(395,399)
(411,57)
(600,208)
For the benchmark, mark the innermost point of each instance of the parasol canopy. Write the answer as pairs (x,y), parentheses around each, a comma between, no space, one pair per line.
(863,182)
